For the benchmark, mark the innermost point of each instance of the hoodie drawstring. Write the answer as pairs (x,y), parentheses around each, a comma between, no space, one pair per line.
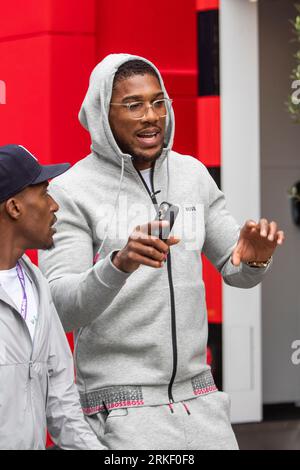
(168,175)
(170,405)
(186,408)
(97,256)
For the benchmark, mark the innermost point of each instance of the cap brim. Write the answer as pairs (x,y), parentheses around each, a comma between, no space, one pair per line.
(51,171)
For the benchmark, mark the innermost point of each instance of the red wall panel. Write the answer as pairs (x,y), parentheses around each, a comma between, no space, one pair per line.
(185,141)
(72,60)
(23,17)
(25,118)
(209,132)
(46,75)
(207,4)
(163,31)
(213,287)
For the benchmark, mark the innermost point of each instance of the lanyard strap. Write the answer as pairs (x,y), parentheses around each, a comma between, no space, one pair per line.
(21,277)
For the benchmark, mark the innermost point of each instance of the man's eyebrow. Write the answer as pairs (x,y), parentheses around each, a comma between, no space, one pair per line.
(140,97)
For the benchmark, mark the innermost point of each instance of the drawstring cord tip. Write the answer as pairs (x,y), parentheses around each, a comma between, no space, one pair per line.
(171,408)
(186,408)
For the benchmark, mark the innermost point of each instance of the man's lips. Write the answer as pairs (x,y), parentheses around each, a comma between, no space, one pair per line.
(149,137)
(51,226)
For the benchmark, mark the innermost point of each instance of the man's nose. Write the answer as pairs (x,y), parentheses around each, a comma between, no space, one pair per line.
(54,206)
(150,115)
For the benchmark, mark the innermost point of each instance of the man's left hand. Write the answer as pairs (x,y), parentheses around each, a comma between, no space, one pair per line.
(257,242)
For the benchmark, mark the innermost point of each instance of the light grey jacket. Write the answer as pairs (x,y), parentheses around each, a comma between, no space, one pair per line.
(37,387)
(140,338)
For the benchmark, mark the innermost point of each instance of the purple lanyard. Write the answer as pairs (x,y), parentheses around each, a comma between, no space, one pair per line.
(21,278)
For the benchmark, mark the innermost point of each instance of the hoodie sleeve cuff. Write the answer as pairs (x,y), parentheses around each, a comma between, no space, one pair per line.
(256,270)
(109,274)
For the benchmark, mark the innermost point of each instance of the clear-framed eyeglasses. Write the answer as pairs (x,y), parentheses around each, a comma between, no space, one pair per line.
(139,109)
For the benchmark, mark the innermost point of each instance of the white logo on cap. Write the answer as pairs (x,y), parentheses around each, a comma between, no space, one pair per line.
(28,152)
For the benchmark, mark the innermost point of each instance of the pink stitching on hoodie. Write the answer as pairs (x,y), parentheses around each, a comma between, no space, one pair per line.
(203,391)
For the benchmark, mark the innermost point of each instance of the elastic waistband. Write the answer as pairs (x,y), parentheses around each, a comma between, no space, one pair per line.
(129,396)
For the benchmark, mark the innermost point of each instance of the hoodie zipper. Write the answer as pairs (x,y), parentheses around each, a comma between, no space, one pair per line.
(171,288)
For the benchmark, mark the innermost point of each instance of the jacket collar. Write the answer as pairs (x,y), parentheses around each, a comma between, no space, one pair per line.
(4,297)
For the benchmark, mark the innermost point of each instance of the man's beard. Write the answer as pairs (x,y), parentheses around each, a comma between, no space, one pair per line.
(142,158)
(50,247)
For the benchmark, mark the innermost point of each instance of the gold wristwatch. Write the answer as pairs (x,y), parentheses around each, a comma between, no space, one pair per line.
(259,264)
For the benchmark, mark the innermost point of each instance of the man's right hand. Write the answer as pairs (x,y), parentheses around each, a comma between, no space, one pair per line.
(144,248)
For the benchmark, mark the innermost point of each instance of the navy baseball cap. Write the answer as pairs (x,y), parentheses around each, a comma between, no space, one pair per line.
(19,169)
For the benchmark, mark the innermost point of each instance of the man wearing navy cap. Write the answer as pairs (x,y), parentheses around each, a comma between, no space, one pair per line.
(37,387)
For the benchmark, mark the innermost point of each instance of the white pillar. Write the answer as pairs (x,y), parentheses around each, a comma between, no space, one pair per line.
(239,69)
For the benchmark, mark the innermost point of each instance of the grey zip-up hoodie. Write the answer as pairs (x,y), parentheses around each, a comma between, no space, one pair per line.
(140,338)
(37,387)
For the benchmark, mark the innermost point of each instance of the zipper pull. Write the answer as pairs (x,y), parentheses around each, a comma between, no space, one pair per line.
(105,407)
(153,196)
(30,370)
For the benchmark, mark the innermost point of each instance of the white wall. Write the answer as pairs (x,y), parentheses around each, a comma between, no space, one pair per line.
(241,184)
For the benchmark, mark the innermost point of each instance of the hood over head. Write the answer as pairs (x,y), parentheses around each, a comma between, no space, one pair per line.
(94,111)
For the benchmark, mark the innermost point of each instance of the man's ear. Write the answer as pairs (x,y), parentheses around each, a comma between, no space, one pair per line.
(13,208)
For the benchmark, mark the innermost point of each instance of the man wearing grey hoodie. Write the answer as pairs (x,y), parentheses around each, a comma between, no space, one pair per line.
(135,302)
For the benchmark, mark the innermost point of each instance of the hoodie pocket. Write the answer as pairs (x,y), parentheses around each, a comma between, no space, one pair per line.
(117,413)
(102,423)
(114,418)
